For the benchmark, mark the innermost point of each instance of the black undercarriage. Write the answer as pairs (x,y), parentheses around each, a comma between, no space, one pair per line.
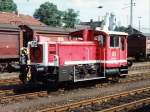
(74,73)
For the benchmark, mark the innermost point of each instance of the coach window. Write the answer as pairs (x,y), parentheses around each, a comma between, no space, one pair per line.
(114,41)
(101,40)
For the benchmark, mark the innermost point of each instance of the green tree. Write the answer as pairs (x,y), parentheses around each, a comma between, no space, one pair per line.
(8,6)
(49,14)
(70,18)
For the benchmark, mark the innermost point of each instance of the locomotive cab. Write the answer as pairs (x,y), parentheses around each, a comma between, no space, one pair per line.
(116,53)
(113,53)
(93,55)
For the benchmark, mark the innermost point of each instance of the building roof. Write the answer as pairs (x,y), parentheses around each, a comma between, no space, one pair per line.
(140,35)
(92,23)
(145,30)
(146,34)
(18,19)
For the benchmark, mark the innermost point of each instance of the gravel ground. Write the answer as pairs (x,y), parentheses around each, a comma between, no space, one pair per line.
(142,109)
(71,96)
(141,63)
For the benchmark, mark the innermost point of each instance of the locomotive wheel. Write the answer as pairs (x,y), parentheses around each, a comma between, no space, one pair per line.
(52,85)
(23,79)
(130,63)
(115,79)
(2,68)
(9,68)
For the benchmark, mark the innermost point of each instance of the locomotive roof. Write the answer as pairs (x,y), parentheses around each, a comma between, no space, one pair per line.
(48,29)
(97,32)
(114,32)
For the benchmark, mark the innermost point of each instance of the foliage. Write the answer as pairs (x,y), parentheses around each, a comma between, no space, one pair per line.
(70,18)
(49,14)
(8,6)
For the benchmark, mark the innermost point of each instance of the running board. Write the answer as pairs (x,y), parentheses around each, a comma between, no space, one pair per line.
(87,79)
(124,74)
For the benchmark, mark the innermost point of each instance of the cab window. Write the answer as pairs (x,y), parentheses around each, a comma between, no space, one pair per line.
(101,40)
(114,41)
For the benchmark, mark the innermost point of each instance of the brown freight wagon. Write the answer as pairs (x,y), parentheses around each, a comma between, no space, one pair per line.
(10,43)
(139,46)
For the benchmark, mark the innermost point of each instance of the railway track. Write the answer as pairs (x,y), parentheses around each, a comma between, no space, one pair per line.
(21,97)
(6,92)
(107,103)
(142,67)
(9,81)
(8,96)
(131,105)
(130,78)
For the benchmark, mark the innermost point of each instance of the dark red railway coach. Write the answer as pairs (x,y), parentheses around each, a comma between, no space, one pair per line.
(86,55)
(139,46)
(10,43)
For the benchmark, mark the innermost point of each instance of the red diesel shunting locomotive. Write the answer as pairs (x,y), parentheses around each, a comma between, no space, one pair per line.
(86,55)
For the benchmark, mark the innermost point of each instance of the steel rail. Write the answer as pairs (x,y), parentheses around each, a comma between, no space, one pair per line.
(9,81)
(93,101)
(143,67)
(2,92)
(6,99)
(130,105)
